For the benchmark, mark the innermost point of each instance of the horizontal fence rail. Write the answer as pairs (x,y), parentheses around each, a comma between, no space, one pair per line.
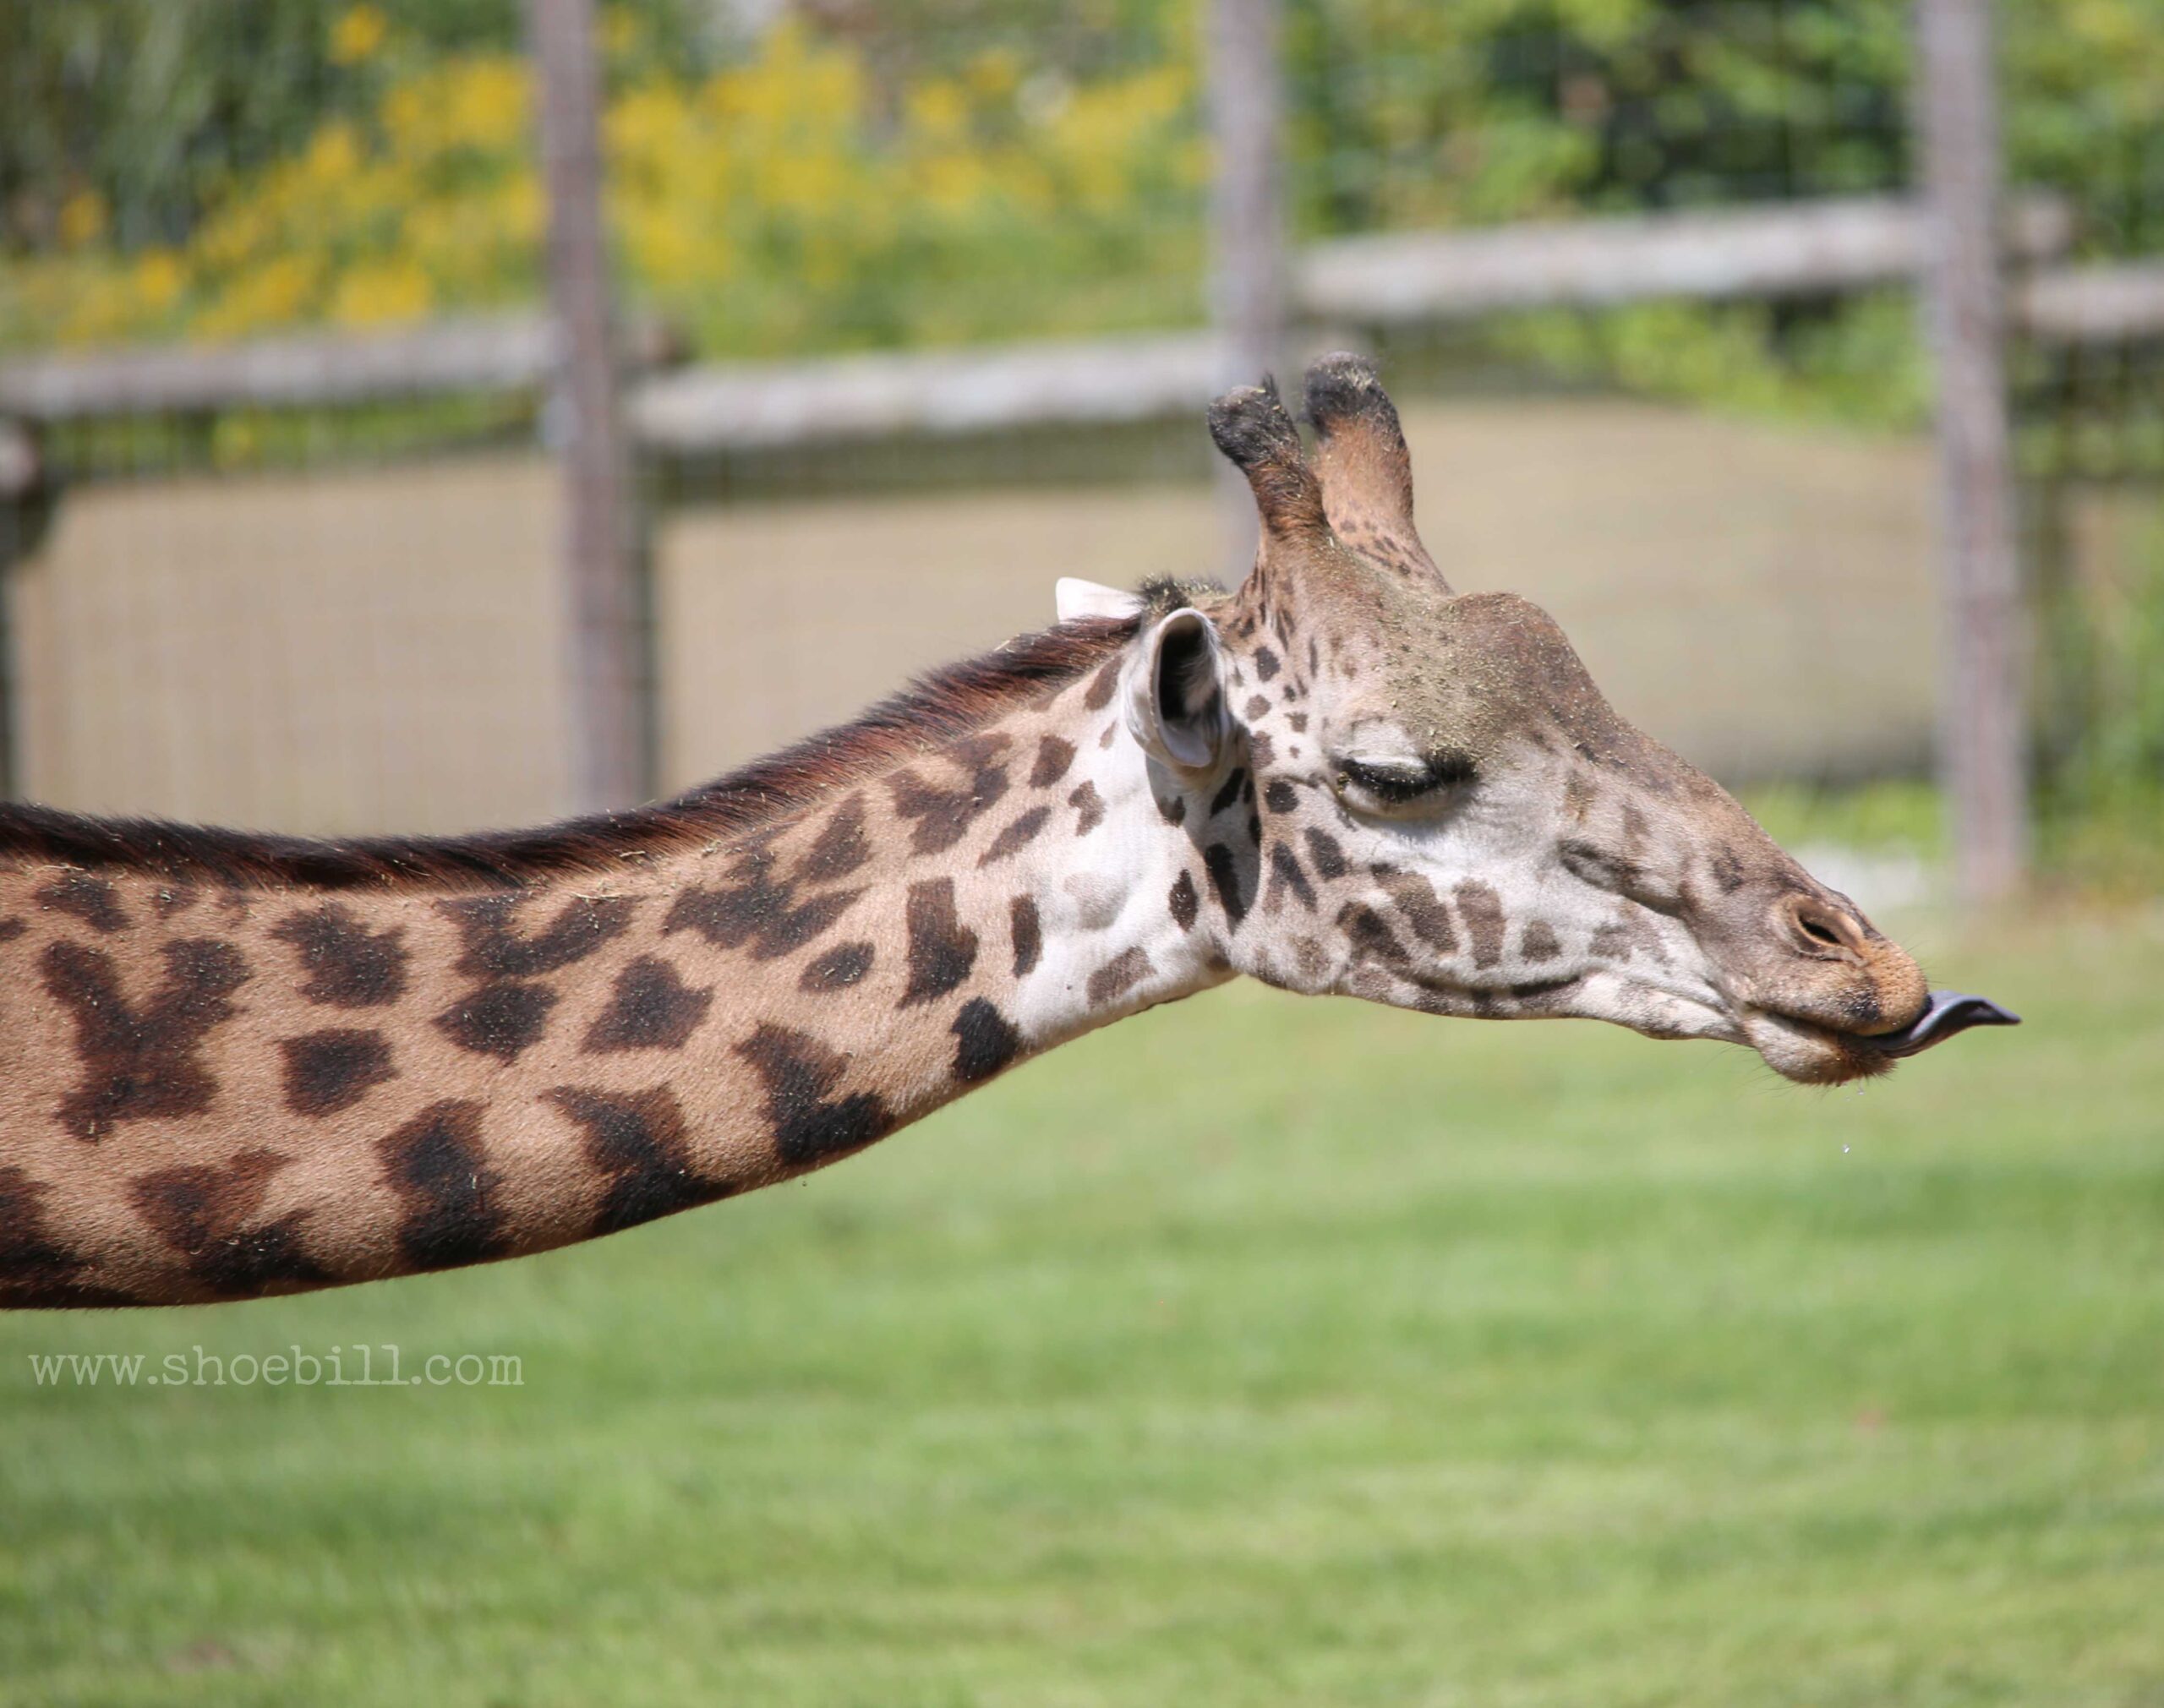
(511,352)
(2109,303)
(759,407)
(1807,249)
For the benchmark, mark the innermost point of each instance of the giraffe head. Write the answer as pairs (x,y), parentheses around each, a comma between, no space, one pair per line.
(1421,797)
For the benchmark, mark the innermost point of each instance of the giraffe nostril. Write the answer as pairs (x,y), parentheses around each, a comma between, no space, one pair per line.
(1820,929)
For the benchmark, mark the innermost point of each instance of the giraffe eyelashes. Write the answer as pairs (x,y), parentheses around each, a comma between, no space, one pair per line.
(1398,782)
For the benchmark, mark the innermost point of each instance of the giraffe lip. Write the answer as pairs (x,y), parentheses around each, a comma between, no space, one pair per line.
(1945,1013)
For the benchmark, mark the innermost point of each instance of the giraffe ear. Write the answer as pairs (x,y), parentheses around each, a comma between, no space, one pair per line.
(1176,696)
(1074,598)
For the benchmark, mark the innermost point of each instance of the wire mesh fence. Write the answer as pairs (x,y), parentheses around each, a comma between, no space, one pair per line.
(343,613)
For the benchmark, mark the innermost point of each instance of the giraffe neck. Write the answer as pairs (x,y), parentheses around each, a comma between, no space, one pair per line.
(216,1093)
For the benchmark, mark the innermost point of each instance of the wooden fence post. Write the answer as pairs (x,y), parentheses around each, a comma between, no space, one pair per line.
(606,638)
(1249,264)
(1982,703)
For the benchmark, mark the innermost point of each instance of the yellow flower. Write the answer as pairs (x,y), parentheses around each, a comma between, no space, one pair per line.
(273,294)
(159,279)
(995,73)
(357,33)
(82,219)
(938,109)
(380,293)
(487,103)
(333,156)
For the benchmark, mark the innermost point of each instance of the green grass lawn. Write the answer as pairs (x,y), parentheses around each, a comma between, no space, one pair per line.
(1253,1351)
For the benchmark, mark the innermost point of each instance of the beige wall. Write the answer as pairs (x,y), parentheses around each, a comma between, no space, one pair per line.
(332,652)
(779,620)
(377,649)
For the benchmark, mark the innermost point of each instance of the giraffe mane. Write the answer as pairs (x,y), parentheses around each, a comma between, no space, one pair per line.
(937,708)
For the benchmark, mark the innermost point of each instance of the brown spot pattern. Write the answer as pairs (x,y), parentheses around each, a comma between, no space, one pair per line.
(756,912)
(499,1020)
(36,1269)
(1088,808)
(437,1166)
(1481,909)
(1536,942)
(199,1210)
(1016,837)
(943,815)
(638,1139)
(1224,869)
(811,1124)
(329,1071)
(1286,878)
(1055,753)
(1422,910)
(1371,936)
(492,949)
(348,966)
(651,1008)
(1183,901)
(942,949)
(985,1041)
(1027,931)
(837,968)
(841,846)
(90,899)
(1117,976)
(141,1060)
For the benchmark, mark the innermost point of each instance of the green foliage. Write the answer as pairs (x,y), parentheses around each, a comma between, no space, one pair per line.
(1897,815)
(1002,171)
(793,197)
(146,109)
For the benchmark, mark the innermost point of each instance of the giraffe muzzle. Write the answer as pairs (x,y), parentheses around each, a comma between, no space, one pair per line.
(1945,1013)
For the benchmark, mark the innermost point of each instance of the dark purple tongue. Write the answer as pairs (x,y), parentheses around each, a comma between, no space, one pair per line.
(1948,1012)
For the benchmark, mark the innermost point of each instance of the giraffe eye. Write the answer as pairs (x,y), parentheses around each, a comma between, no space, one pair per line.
(1394,784)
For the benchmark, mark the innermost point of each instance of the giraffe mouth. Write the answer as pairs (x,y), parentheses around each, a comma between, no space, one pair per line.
(1945,1015)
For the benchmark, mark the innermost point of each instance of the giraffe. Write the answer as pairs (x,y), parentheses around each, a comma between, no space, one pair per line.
(237,1065)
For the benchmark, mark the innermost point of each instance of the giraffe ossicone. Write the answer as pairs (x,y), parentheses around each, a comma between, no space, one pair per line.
(237,1064)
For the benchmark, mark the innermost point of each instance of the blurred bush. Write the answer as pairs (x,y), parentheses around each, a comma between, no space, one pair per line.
(844,177)
(787,198)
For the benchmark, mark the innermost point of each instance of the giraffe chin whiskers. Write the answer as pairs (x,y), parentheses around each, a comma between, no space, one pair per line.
(1810,1055)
